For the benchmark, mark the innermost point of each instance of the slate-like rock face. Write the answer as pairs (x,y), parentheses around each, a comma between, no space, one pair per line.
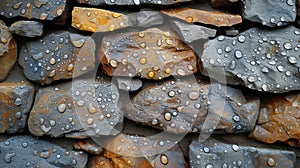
(8,51)
(27,151)
(148,18)
(263,60)
(150,54)
(187,105)
(132,2)
(190,32)
(27,28)
(98,20)
(35,9)
(89,147)
(279,120)
(223,155)
(279,12)
(15,102)
(206,17)
(76,109)
(55,56)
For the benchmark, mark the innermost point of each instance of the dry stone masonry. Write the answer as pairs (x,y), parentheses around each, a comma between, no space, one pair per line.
(149,83)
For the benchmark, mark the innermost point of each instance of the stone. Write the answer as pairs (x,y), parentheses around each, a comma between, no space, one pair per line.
(150,54)
(184,106)
(222,3)
(190,32)
(56,56)
(148,18)
(278,120)
(8,51)
(190,15)
(234,155)
(98,20)
(298,7)
(279,13)
(27,151)
(36,9)
(131,2)
(15,101)
(76,109)
(232,32)
(27,28)
(89,147)
(129,84)
(260,59)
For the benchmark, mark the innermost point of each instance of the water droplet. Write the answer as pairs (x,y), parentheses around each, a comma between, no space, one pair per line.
(193,95)
(238,54)
(241,38)
(61,108)
(168,117)
(52,61)
(171,93)
(280,68)
(143,61)
(287,46)
(8,157)
(78,43)
(90,121)
(232,65)
(136,2)
(290,2)
(236,118)
(151,74)
(113,63)
(271,162)
(292,60)
(18,115)
(18,101)
(24,144)
(164,159)
(206,149)
(70,67)
(180,72)
(235,147)
(59,12)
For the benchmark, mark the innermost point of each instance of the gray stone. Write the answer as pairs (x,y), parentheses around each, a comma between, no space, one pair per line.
(27,151)
(27,28)
(263,60)
(131,2)
(191,32)
(129,84)
(149,18)
(212,153)
(271,13)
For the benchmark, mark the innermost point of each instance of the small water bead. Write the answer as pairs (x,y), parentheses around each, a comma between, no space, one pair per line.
(235,147)
(241,38)
(271,162)
(236,118)
(167,116)
(193,95)
(292,60)
(209,166)
(238,54)
(206,149)
(164,159)
(18,115)
(171,93)
(18,101)
(61,108)
(287,46)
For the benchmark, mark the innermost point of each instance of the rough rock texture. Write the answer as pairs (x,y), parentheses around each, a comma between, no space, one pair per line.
(27,28)
(35,9)
(191,32)
(89,147)
(279,12)
(148,18)
(27,151)
(59,55)
(264,60)
(184,106)
(131,2)
(278,120)
(206,17)
(218,154)
(151,54)
(76,109)
(222,3)
(98,20)
(8,51)
(129,84)
(15,102)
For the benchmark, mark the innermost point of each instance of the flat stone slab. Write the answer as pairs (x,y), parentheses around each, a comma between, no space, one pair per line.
(150,54)
(76,109)
(27,28)
(56,56)
(184,106)
(223,155)
(15,102)
(278,120)
(8,51)
(131,2)
(206,17)
(260,59)
(279,12)
(27,151)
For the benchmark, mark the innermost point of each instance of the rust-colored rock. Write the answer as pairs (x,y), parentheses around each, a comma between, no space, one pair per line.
(279,120)
(151,54)
(206,17)
(76,109)
(15,103)
(98,20)
(183,106)
(8,51)
(56,56)
(89,147)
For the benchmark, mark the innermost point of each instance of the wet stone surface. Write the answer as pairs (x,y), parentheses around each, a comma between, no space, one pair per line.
(148,18)
(27,151)
(8,51)
(190,32)
(150,54)
(279,120)
(27,28)
(56,56)
(76,109)
(89,147)
(184,106)
(223,155)
(15,102)
(131,2)
(35,9)
(263,60)
(279,12)
(129,84)
(206,17)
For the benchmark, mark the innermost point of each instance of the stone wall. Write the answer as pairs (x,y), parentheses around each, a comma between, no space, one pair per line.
(149,83)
